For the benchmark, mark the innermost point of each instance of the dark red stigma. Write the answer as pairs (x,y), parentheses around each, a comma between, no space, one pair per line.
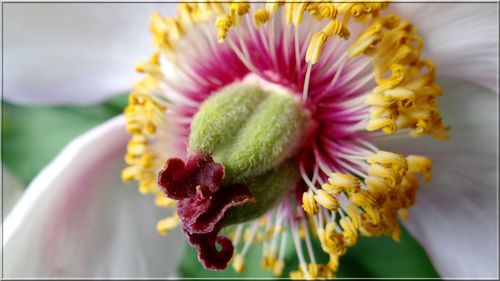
(202,203)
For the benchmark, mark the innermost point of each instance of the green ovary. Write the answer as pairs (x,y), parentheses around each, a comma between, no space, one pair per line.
(254,133)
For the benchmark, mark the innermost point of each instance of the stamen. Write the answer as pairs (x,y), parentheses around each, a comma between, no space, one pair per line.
(280,264)
(306,83)
(237,236)
(164,226)
(308,242)
(326,200)
(309,204)
(239,259)
(420,164)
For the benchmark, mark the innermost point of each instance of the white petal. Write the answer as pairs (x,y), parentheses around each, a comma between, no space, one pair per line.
(75,53)
(462,38)
(12,189)
(77,219)
(455,217)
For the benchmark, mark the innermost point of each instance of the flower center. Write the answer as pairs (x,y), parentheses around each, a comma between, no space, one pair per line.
(240,146)
(343,76)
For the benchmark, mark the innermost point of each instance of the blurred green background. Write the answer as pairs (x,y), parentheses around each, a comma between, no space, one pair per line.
(32,137)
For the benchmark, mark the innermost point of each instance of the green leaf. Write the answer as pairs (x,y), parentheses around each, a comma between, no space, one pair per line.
(372,257)
(33,135)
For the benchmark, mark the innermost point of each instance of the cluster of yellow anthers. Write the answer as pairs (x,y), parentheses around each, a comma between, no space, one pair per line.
(167,31)
(294,13)
(346,207)
(405,97)
(144,114)
(372,205)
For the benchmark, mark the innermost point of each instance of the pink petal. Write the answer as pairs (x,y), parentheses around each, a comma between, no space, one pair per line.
(77,219)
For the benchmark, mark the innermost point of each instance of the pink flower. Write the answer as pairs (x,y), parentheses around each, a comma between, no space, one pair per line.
(362,82)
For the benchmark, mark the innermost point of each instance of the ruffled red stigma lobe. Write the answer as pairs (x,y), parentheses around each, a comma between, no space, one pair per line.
(208,254)
(180,181)
(202,203)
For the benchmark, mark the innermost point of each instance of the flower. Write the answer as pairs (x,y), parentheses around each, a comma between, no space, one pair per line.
(383,185)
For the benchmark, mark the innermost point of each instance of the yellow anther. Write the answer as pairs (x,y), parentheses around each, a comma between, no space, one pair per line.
(149,68)
(278,268)
(315,47)
(239,8)
(392,178)
(327,10)
(391,112)
(133,127)
(355,215)
(260,17)
(420,164)
(313,9)
(143,87)
(238,263)
(161,200)
(332,189)
(313,270)
(405,97)
(296,275)
(298,13)
(372,214)
(397,76)
(404,54)
(150,129)
(342,182)
(391,160)
(185,13)
(367,39)
(147,182)
(309,204)
(332,241)
(362,199)
(333,262)
(343,7)
(157,23)
(217,8)
(403,214)
(247,234)
(378,99)
(336,28)
(358,10)
(288,13)
(302,232)
(410,181)
(205,11)
(391,21)
(174,29)
(146,161)
(324,271)
(272,6)
(326,200)
(268,260)
(387,125)
(396,234)
(137,145)
(130,173)
(223,23)
(319,38)
(164,226)
(349,232)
